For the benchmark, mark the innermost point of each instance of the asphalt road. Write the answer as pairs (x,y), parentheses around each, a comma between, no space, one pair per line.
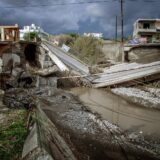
(68,60)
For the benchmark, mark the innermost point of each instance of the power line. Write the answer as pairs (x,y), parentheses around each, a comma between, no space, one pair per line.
(146,1)
(122,27)
(74,3)
(58,4)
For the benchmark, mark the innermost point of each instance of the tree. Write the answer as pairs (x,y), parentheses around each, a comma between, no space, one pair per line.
(31,36)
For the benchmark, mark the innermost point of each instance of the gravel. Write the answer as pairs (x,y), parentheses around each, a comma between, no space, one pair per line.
(147,99)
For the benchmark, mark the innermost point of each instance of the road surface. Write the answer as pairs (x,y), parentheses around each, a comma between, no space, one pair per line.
(68,60)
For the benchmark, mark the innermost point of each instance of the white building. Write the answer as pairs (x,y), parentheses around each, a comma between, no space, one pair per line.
(32,28)
(96,35)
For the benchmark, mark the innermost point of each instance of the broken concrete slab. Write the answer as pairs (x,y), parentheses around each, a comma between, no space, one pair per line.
(50,138)
(116,75)
(55,59)
(32,148)
(44,72)
(31,143)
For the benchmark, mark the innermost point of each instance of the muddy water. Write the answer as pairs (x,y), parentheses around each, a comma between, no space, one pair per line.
(128,116)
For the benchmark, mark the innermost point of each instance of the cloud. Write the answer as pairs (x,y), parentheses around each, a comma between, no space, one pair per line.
(78,18)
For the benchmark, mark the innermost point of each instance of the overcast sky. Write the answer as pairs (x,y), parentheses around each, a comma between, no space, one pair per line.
(91,17)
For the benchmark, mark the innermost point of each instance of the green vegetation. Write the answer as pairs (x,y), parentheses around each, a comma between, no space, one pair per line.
(64,39)
(31,36)
(12,135)
(73,35)
(88,49)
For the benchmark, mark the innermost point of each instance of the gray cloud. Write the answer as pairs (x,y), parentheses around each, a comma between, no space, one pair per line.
(78,18)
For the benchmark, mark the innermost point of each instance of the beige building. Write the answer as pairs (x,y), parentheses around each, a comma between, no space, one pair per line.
(9,33)
(148,30)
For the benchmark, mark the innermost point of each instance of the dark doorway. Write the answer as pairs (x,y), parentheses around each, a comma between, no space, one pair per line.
(30,54)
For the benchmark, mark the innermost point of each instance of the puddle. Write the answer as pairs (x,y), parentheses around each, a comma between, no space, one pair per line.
(128,116)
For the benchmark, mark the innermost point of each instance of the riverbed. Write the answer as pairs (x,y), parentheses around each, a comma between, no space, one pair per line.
(128,116)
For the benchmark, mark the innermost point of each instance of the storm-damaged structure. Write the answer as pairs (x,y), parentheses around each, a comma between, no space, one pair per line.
(21,57)
(9,33)
(147,29)
(60,126)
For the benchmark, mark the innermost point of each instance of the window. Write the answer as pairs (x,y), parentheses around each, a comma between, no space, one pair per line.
(146,25)
(158,36)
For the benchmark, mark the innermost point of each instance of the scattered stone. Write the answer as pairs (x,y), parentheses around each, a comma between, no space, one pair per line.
(18,98)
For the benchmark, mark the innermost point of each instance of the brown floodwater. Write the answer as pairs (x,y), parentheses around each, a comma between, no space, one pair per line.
(128,116)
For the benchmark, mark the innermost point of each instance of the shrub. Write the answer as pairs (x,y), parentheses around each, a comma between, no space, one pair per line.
(88,48)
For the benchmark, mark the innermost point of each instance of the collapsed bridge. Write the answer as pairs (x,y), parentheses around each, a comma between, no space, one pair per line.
(131,73)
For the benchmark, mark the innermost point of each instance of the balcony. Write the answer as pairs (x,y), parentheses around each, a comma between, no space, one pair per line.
(148,30)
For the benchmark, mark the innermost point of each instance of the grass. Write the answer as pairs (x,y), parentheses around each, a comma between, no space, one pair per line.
(12,135)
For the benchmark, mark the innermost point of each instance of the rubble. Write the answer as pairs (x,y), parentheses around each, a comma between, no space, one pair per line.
(18,98)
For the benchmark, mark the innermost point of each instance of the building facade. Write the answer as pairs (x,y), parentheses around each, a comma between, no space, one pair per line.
(9,33)
(148,30)
(96,35)
(32,28)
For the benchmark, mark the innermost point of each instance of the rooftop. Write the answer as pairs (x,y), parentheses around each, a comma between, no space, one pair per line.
(148,20)
(15,26)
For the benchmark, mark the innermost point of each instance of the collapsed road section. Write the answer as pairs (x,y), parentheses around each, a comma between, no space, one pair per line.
(120,74)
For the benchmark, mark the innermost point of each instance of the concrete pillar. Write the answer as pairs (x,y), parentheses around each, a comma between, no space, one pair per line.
(2,34)
(1,65)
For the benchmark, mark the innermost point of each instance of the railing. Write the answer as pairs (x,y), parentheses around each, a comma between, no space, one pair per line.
(147,30)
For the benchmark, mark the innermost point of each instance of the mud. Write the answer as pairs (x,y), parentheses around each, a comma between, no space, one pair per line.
(88,136)
(130,117)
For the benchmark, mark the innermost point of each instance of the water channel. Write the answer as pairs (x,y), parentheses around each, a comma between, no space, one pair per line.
(128,116)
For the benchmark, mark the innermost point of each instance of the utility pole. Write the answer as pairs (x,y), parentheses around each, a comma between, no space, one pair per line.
(122,14)
(122,31)
(116,29)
